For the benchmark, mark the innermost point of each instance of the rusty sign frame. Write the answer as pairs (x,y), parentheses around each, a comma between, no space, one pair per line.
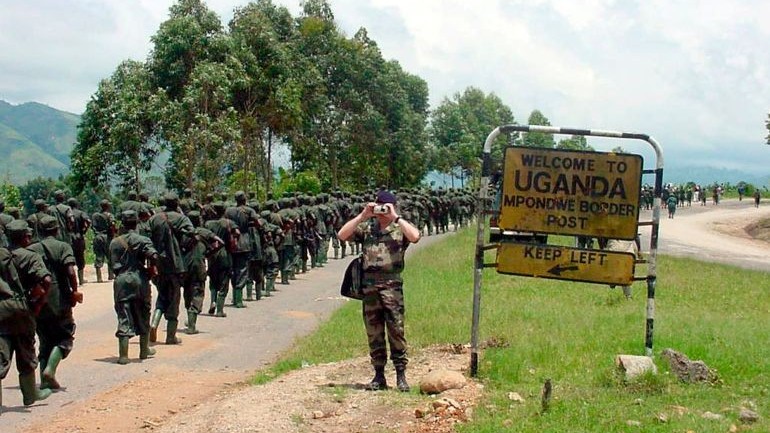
(482,212)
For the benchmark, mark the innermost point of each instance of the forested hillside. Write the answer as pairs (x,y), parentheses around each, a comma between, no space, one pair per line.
(35,140)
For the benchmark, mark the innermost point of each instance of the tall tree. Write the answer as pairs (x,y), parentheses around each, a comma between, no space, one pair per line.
(575,142)
(268,94)
(538,139)
(463,123)
(116,134)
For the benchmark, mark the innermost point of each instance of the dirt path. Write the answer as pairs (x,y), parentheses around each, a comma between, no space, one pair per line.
(714,233)
(102,396)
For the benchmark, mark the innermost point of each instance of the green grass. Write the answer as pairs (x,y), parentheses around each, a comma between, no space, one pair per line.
(570,332)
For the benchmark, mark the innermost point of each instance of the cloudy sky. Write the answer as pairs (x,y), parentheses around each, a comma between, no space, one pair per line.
(695,74)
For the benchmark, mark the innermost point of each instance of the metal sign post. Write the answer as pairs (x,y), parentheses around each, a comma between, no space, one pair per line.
(571,193)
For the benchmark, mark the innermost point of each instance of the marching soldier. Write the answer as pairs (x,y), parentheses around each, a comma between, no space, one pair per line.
(170,232)
(206,244)
(134,258)
(64,216)
(81,224)
(221,262)
(246,219)
(55,323)
(23,270)
(104,230)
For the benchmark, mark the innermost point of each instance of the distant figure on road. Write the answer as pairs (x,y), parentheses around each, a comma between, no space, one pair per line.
(671,203)
(757,196)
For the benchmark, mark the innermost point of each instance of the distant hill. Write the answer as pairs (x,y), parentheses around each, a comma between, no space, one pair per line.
(35,140)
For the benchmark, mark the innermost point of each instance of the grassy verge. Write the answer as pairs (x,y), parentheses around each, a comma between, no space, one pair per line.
(570,333)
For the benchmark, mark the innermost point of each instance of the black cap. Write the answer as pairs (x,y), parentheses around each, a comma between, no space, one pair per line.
(385,196)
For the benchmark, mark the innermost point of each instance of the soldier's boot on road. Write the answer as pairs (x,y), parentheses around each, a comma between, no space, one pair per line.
(221,305)
(249,291)
(378,381)
(336,253)
(145,351)
(284,277)
(343,252)
(401,382)
(81,278)
(238,298)
(213,305)
(48,374)
(110,274)
(99,275)
(123,350)
(156,315)
(192,320)
(269,287)
(304,266)
(29,391)
(171,337)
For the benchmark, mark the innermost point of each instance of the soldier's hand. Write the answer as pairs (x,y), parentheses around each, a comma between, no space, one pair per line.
(77,298)
(368,211)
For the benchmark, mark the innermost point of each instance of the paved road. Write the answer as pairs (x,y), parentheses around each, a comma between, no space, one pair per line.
(229,349)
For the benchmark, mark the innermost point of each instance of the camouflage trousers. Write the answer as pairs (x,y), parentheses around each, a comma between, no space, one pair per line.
(383,308)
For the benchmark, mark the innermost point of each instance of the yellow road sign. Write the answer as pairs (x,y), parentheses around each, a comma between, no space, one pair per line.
(565,263)
(571,192)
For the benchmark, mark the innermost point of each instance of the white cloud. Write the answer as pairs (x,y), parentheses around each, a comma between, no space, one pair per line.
(692,73)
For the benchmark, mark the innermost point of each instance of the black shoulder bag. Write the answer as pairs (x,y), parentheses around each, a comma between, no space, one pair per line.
(352,283)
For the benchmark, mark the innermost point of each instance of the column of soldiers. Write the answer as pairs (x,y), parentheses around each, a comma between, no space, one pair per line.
(176,245)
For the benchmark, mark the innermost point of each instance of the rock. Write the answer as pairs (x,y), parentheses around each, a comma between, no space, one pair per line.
(507,422)
(515,397)
(661,418)
(733,429)
(679,410)
(438,381)
(318,414)
(711,416)
(634,366)
(440,404)
(687,370)
(633,423)
(748,416)
(420,413)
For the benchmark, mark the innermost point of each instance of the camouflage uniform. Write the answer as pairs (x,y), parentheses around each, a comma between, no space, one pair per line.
(271,235)
(194,282)
(246,219)
(81,224)
(383,303)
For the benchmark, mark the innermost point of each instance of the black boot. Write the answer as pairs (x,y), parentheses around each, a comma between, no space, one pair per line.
(401,382)
(378,381)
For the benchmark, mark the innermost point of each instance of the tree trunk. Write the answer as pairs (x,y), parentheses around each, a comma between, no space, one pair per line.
(268,170)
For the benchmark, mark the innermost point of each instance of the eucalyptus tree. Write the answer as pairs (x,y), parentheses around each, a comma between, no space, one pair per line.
(538,139)
(575,142)
(463,123)
(116,135)
(267,95)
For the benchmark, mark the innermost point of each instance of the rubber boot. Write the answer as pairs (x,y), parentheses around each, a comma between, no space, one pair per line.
(304,266)
(123,350)
(627,292)
(336,253)
(156,315)
(259,289)
(378,381)
(48,374)
(249,292)
(284,277)
(269,287)
(29,391)
(145,351)
(192,319)
(81,278)
(213,305)
(401,382)
(110,275)
(171,337)
(221,305)
(99,275)
(238,298)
